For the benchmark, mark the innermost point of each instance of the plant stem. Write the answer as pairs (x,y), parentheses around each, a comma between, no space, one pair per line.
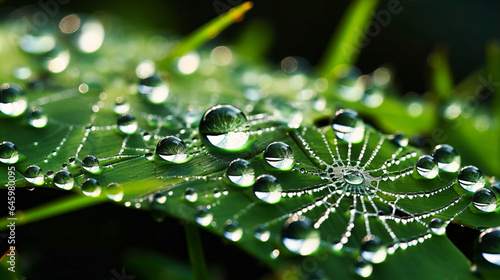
(195,250)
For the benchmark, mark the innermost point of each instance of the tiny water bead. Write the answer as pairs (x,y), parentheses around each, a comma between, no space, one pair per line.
(203,217)
(172,149)
(399,139)
(13,101)
(471,178)
(91,164)
(372,249)
(191,195)
(447,158)
(241,173)
(348,126)
(233,231)
(363,268)
(485,200)
(154,89)
(354,177)
(114,192)
(37,117)
(489,245)
(437,226)
(279,155)
(127,124)
(299,236)
(64,180)
(262,233)
(225,126)
(160,197)
(427,167)
(267,188)
(34,175)
(121,106)
(8,153)
(91,187)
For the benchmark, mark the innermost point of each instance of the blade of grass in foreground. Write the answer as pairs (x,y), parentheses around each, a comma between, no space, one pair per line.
(207,31)
(345,45)
(441,76)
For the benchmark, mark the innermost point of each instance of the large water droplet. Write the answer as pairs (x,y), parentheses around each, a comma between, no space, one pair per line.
(279,155)
(437,226)
(354,177)
(471,178)
(37,117)
(485,200)
(91,187)
(447,158)
(363,268)
(203,217)
(427,167)
(241,173)
(262,233)
(154,89)
(13,101)
(34,175)
(225,126)
(8,153)
(114,192)
(299,236)
(127,124)
(172,149)
(267,188)
(233,231)
(372,249)
(191,195)
(348,126)
(64,180)
(489,245)
(91,164)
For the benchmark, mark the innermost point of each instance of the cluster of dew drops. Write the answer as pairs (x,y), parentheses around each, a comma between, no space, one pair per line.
(225,127)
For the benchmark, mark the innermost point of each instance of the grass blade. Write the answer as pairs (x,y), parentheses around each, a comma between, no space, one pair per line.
(195,249)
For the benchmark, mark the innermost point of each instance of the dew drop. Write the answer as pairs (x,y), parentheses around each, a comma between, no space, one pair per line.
(489,245)
(299,236)
(348,126)
(485,200)
(127,124)
(241,173)
(121,106)
(427,167)
(37,43)
(8,153)
(91,187)
(149,156)
(203,217)
(146,135)
(399,139)
(191,195)
(279,155)
(13,101)
(64,180)
(160,198)
(34,175)
(363,268)
(354,177)
(372,249)
(447,158)
(471,178)
(437,226)
(154,89)
(262,233)
(233,231)
(37,117)
(225,126)
(267,188)
(114,192)
(91,164)
(172,149)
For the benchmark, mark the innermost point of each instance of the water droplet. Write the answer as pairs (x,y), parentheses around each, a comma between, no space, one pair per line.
(241,173)
(154,89)
(354,177)
(37,117)
(399,139)
(437,226)
(34,175)
(363,268)
(13,101)
(489,245)
(149,156)
(262,233)
(267,188)
(372,249)
(203,217)
(172,149)
(447,158)
(91,187)
(348,126)
(127,124)
(299,236)
(8,153)
(191,195)
(233,231)
(160,197)
(114,192)
(121,106)
(485,200)
(37,43)
(373,97)
(427,167)
(146,135)
(471,178)
(64,180)
(57,60)
(279,155)
(225,126)
(91,164)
